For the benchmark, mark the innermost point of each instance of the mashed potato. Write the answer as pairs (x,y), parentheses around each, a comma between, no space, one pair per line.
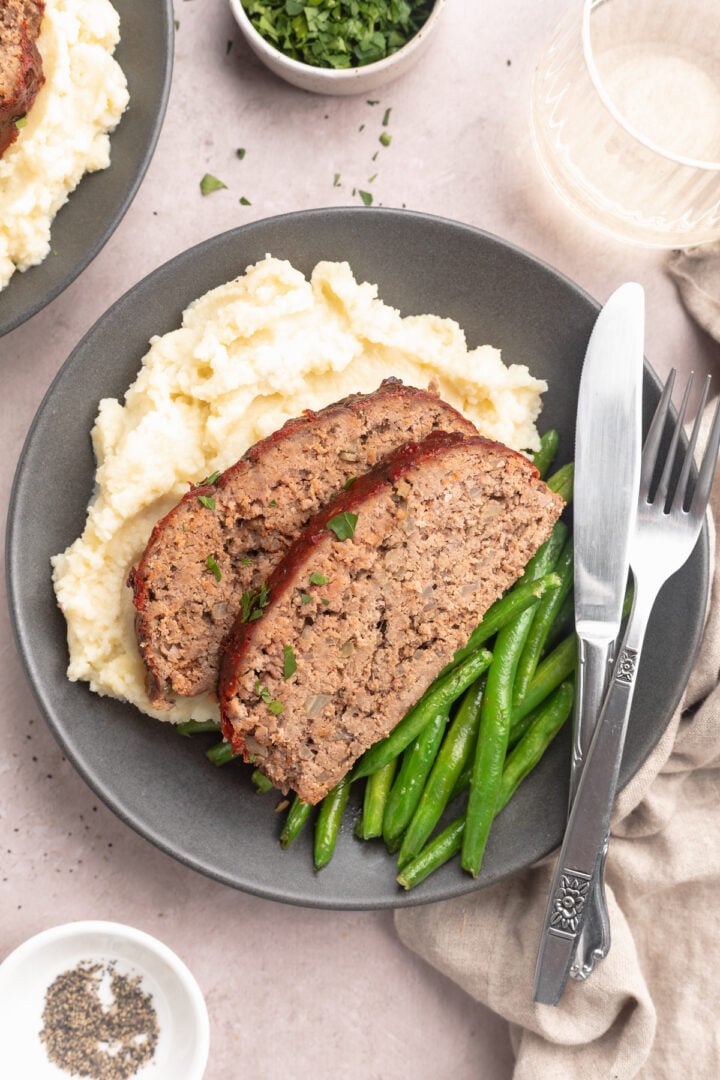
(249,355)
(65,136)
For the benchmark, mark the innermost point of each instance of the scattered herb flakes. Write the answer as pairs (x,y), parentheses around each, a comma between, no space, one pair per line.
(177,23)
(372,178)
(252,603)
(273,502)
(366,197)
(211,564)
(372,101)
(319,579)
(228,47)
(246,561)
(385,138)
(305,598)
(336,180)
(374,157)
(361,128)
(244,201)
(240,152)
(343,525)
(338,33)
(325,601)
(386,117)
(289,662)
(21,122)
(210,183)
(272,703)
(211,479)
(349,483)
(207,501)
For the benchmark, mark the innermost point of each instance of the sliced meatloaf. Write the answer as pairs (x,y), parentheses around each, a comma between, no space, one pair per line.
(21,72)
(224,538)
(355,629)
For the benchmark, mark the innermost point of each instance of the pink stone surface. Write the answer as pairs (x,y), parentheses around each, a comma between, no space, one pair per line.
(292,992)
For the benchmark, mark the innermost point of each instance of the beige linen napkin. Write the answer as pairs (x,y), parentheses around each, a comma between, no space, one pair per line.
(651,1009)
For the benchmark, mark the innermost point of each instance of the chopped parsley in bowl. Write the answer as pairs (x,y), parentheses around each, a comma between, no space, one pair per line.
(337,46)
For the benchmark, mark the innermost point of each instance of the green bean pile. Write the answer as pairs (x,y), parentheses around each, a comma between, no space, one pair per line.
(475,734)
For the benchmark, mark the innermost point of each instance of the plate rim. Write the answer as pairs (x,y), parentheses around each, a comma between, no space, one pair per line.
(121,207)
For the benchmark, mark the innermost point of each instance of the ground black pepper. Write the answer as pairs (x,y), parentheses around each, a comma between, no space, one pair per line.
(88,1038)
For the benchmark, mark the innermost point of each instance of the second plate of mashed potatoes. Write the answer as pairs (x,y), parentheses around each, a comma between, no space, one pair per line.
(248,356)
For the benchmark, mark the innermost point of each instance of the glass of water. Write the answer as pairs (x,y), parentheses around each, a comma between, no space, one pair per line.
(626,117)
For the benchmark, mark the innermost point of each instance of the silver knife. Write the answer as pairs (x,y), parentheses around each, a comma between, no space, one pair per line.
(607,475)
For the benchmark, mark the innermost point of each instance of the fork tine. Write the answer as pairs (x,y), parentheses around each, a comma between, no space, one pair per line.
(655,434)
(680,496)
(661,495)
(707,468)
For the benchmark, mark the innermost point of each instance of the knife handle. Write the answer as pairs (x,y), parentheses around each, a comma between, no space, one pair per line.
(589,825)
(595,660)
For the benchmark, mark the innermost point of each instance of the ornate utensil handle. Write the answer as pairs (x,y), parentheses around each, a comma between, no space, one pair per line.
(589,824)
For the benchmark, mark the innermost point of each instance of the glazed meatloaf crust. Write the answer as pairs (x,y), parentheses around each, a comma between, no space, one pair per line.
(441,529)
(224,538)
(21,73)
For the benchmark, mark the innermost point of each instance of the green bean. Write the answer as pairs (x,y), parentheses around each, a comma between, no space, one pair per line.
(297,816)
(377,789)
(261,782)
(544,457)
(543,618)
(495,712)
(417,760)
(328,821)
(522,595)
(550,672)
(523,759)
(197,727)
(438,699)
(451,761)
(220,753)
(564,623)
(561,482)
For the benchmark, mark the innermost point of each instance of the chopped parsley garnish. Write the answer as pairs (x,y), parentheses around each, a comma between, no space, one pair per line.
(343,525)
(386,117)
(211,564)
(289,662)
(305,598)
(246,561)
(210,183)
(385,138)
(318,579)
(244,201)
(207,501)
(349,482)
(21,122)
(366,197)
(211,479)
(228,47)
(338,33)
(273,502)
(272,703)
(240,152)
(336,180)
(325,601)
(252,603)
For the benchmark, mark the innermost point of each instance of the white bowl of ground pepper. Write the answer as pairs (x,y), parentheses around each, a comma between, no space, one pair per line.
(304,46)
(103,1001)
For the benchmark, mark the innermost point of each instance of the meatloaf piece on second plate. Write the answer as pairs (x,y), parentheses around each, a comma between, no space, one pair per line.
(246,520)
(21,72)
(441,530)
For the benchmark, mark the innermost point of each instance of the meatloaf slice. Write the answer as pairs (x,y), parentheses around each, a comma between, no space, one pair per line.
(223,538)
(21,72)
(355,629)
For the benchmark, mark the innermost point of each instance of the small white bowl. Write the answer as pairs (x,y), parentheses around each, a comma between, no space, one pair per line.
(25,975)
(320,80)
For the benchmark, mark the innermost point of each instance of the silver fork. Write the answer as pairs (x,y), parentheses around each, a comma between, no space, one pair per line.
(666,531)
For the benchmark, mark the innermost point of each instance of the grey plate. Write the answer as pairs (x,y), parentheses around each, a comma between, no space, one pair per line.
(160,783)
(93,211)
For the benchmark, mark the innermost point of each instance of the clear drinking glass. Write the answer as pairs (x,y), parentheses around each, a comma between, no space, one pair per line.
(626,117)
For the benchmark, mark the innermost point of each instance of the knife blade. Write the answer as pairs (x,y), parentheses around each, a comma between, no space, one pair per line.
(607,476)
